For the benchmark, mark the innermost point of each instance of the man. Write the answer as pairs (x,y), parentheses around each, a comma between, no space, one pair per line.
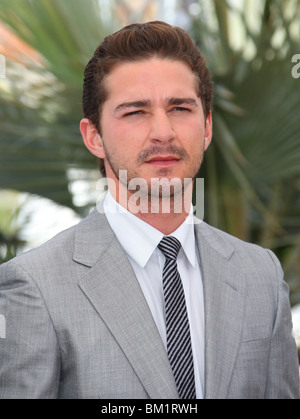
(137,301)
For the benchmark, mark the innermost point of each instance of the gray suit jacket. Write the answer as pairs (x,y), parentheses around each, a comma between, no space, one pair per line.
(78,325)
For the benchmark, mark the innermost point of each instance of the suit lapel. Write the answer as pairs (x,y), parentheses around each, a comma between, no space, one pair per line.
(112,288)
(224,305)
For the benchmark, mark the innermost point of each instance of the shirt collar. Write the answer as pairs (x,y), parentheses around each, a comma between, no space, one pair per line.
(139,239)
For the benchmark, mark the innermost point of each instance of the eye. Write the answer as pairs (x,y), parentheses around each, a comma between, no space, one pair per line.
(181,109)
(138,112)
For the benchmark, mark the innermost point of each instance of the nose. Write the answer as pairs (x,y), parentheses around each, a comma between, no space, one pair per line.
(161,129)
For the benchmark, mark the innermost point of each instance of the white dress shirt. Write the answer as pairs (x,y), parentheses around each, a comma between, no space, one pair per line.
(139,240)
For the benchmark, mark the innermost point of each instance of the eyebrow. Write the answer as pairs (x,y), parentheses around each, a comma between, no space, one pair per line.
(134,104)
(146,103)
(182,101)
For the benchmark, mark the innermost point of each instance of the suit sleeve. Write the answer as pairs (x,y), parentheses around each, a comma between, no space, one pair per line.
(29,352)
(283,370)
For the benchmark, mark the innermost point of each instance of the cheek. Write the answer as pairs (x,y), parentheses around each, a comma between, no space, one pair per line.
(192,137)
(121,147)
(127,140)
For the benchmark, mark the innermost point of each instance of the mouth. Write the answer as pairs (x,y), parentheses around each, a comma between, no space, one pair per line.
(165,161)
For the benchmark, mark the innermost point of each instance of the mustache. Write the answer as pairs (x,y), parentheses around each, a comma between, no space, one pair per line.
(156,150)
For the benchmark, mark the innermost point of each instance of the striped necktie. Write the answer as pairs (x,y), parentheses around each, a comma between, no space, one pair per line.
(179,346)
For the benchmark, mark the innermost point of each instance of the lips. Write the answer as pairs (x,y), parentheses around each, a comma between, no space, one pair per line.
(163,160)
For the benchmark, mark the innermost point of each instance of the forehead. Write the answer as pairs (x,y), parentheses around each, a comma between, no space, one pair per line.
(150,76)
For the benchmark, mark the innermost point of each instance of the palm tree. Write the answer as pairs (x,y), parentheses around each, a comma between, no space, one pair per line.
(255,194)
(40,139)
(251,170)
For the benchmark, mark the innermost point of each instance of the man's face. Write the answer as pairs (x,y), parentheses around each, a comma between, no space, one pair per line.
(152,123)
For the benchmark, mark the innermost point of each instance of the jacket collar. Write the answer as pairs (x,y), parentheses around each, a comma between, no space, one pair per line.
(224,293)
(113,289)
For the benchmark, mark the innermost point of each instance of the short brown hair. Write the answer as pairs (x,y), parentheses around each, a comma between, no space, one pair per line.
(136,42)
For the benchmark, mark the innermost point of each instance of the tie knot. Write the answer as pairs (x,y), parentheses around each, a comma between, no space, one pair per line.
(170,247)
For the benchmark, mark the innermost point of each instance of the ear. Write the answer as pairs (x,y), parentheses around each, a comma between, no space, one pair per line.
(91,138)
(208,130)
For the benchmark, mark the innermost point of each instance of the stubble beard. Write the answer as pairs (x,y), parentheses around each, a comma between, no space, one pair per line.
(161,186)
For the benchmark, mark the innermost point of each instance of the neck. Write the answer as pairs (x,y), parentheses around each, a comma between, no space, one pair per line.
(166,223)
(165,213)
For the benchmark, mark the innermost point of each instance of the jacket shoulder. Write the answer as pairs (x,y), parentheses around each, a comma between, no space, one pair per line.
(244,254)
